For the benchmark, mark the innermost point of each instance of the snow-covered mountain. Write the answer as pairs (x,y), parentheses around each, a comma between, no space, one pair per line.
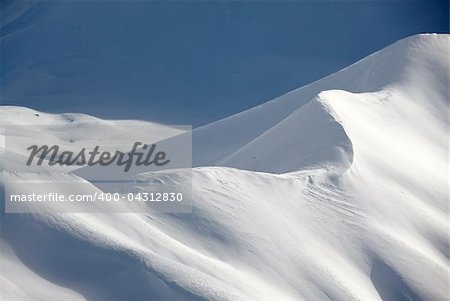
(335,191)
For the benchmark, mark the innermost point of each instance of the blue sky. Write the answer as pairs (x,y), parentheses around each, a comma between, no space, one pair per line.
(186,62)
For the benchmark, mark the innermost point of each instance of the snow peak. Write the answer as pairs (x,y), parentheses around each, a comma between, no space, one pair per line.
(93,157)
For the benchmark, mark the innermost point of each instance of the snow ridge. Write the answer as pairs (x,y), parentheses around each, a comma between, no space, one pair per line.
(335,191)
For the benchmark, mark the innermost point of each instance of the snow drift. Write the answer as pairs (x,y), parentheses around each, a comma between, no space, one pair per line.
(335,191)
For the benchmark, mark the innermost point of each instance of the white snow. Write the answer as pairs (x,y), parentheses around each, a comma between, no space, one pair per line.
(335,191)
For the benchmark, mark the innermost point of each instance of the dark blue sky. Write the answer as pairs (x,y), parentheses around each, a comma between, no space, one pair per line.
(189,62)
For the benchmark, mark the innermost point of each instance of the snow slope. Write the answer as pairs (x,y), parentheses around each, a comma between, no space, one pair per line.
(321,194)
(407,63)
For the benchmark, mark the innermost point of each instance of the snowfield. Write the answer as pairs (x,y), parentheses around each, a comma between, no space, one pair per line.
(335,191)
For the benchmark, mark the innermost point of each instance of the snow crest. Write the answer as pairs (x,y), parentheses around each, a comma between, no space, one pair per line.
(335,191)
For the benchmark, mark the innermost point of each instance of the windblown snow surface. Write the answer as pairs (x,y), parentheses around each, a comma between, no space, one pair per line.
(335,191)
